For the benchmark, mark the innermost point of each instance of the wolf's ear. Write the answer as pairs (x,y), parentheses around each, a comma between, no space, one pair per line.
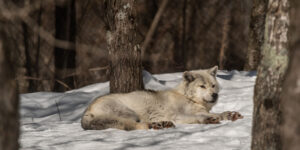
(213,71)
(188,76)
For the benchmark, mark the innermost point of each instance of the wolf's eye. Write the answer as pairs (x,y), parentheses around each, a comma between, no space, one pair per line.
(202,86)
(213,86)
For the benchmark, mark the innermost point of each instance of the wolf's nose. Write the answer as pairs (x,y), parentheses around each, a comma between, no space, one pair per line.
(214,95)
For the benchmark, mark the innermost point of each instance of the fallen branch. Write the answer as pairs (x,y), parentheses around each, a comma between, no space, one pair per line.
(40,79)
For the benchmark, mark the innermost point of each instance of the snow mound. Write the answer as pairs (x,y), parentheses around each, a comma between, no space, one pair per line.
(52,120)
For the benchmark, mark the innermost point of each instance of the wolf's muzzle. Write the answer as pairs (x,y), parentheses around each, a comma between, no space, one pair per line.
(214,96)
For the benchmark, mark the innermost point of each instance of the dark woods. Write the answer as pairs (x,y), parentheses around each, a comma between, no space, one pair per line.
(62,45)
(59,45)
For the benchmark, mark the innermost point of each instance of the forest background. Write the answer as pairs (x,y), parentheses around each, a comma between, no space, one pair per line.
(190,34)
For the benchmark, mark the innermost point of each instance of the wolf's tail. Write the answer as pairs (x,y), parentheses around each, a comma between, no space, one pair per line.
(89,122)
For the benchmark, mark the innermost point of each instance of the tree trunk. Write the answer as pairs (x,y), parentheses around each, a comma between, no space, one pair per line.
(291,87)
(291,103)
(256,38)
(38,48)
(28,64)
(9,116)
(225,32)
(65,61)
(267,115)
(179,37)
(124,50)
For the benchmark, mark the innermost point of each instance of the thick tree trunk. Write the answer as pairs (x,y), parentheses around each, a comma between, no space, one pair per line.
(124,50)
(291,104)
(291,87)
(256,36)
(267,115)
(9,99)
(65,59)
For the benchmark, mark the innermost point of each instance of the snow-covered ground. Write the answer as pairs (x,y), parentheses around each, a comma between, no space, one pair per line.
(52,120)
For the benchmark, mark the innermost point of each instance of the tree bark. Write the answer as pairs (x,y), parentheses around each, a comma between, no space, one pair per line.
(65,59)
(9,99)
(256,38)
(28,64)
(124,50)
(38,48)
(291,88)
(267,115)
(179,37)
(291,104)
(225,32)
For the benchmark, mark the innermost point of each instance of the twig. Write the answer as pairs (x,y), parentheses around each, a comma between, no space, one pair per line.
(98,68)
(63,84)
(39,79)
(91,70)
(69,75)
(58,110)
(30,78)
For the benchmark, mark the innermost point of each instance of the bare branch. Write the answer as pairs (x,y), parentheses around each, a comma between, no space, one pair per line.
(153,26)
(40,79)
(16,13)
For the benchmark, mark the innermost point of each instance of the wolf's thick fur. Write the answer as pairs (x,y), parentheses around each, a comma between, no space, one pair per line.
(188,103)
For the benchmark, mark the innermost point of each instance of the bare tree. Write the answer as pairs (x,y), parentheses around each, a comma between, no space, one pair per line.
(291,87)
(9,99)
(272,68)
(38,48)
(123,47)
(65,59)
(256,36)
(179,36)
(225,32)
(28,64)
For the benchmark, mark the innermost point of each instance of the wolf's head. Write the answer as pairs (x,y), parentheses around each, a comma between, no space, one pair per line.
(201,86)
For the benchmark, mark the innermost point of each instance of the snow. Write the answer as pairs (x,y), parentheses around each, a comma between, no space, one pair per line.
(52,120)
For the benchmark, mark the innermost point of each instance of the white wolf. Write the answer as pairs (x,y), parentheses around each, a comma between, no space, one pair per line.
(188,103)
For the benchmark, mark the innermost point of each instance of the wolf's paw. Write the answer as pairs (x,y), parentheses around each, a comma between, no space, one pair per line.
(212,120)
(231,115)
(161,125)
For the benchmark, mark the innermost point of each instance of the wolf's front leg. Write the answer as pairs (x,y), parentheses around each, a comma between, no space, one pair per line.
(161,125)
(196,119)
(230,115)
(227,115)
(155,125)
